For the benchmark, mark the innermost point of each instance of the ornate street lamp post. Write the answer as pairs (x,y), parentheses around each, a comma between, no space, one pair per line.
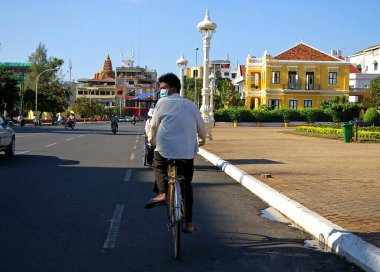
(38,77)
(207,28)
(182,63)
(212,87)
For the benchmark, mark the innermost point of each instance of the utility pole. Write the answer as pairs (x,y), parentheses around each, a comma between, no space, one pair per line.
(70,68)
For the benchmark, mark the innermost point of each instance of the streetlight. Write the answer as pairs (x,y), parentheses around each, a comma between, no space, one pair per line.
(38,77)
(195,78)
(207,28)
(181,63)
(212,87)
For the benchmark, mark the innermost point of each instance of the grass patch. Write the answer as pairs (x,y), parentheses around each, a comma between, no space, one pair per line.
(328,136)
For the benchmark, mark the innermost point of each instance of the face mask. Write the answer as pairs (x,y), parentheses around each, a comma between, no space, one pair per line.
(164,93)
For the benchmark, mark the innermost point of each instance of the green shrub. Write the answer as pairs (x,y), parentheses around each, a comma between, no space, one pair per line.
(312,115)
(371,116)
(221,115)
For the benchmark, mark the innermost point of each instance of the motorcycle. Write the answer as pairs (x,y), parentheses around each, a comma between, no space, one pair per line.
(114,127)
(70,124)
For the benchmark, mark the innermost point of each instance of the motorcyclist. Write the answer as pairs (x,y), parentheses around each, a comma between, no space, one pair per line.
(36,120)
(71,120)
(114,121)
(21,120)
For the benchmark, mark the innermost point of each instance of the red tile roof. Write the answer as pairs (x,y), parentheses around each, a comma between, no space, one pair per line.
(242,70)
(305,52)
(354,70)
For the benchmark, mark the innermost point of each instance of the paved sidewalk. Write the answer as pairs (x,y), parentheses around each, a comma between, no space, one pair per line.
(339,181)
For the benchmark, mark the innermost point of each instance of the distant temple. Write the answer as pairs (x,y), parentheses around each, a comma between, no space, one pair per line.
(107,71)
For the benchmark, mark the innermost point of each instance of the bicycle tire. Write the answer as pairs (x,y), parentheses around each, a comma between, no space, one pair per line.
(177,239)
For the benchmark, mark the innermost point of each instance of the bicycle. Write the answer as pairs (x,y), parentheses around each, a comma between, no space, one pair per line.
(175,203)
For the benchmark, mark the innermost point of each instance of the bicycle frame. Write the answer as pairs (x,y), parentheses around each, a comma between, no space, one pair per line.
(175,205)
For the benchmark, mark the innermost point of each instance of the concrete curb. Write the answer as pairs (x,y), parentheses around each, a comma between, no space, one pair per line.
(341,241)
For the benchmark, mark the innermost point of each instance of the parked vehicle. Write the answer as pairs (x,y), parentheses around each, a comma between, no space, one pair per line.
(7,137)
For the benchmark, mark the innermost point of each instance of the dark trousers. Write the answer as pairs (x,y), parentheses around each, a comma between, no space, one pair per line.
(186,169)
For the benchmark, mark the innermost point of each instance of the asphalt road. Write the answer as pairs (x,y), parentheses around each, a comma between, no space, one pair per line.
(72,200)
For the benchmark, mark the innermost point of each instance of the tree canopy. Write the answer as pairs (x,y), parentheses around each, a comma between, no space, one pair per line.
(52,95)
(8,90)
(375,91)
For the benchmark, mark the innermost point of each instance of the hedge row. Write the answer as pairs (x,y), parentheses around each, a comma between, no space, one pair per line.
(362,132)
(277,115)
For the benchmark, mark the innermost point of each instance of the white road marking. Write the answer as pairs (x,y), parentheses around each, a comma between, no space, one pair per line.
(128,175)
(132,156)
(69,139)
(137,140)
(114,227)
(134,146)
(80,135)
(50,144)
(23,152)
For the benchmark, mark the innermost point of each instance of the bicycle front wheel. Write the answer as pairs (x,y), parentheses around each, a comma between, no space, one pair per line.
(177,239)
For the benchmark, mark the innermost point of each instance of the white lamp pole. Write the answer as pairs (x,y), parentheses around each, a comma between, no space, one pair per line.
(182,63)
(195,78)
(212,87)
(38,77)
(207,28)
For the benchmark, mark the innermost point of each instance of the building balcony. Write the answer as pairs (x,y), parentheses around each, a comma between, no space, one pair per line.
(360,90)
(301,87)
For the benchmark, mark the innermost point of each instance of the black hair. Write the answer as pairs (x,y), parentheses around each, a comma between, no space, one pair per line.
(172,80)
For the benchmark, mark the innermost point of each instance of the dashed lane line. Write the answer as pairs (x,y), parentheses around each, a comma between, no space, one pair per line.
(50,144)
(114,227)
(128,175)
(69,139)
(132,156)
(23,152)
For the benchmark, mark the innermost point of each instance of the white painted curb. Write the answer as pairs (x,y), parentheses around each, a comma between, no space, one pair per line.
(341,241)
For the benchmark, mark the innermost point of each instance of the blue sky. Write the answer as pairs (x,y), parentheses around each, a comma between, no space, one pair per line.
(160,30)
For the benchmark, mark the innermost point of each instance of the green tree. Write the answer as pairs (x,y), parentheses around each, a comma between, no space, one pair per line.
(375,91)
(83,107)
(371,116)
(225,95)
(340,110)
(52,95)
(189,84)
(8,91)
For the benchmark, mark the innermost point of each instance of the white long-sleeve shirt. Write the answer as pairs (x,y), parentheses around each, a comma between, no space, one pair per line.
(175,127)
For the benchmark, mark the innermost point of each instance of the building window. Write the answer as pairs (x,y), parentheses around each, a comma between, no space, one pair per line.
(375,65)
(293,104)
(332,78)
(119,92)
(233,75)
(307,103)
(131,82)
(274,103)
(292,81)
(276,77)
(130,103)
(80,92)
(195,73)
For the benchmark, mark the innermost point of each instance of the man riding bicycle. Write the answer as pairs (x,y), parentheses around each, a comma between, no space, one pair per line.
(175,127)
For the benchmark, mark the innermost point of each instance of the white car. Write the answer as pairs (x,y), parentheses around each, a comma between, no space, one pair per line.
(7,137)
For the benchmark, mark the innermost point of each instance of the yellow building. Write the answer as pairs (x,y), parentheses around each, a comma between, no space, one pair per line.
(300,77)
